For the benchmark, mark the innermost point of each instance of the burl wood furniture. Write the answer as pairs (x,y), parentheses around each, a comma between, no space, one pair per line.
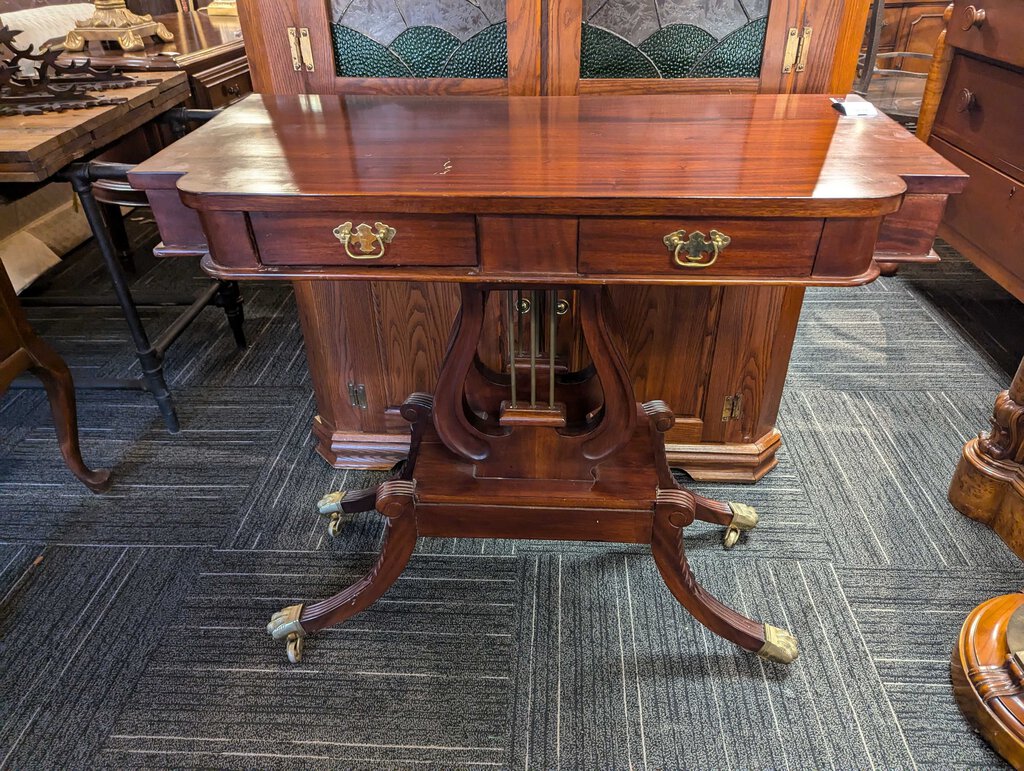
(526,206)
(977,124)
(209,50)
(988,485)
(988,660)
(987,668)
(22,350)
(725,391)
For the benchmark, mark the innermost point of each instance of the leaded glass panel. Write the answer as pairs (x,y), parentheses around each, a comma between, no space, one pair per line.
(409,39)
(673,38)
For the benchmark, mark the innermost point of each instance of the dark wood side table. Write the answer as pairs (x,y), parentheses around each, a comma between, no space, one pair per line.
(530,205)
(209,49)
(21,350)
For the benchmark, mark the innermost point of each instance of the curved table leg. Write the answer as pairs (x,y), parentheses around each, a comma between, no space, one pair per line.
(60,389)
(674,510)
(396,501)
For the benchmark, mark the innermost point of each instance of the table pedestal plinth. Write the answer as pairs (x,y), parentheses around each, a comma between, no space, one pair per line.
(586,464)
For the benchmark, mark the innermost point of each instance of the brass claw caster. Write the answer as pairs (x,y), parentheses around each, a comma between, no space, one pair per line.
(744,517)
(779,646)
(294,648)
(285,625)
(330,507)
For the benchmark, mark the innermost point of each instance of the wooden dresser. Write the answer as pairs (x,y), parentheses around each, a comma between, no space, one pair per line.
(979,126)
(208,49)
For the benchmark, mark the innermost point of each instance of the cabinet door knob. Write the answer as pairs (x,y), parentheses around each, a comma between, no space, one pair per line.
(972,17)
(967,101)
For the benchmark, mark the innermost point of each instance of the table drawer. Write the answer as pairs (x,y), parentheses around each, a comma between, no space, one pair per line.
(364,240)
(990,211)
(982,111)
(993,28)
(706,247)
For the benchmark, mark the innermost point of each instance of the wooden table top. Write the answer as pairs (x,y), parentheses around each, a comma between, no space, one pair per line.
(710,154)
(34,147)
(196,36)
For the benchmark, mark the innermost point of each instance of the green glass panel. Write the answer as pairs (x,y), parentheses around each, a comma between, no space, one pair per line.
(675,49)
(424,50)
(485,55)
(605,55)
(357,56)
(737,56)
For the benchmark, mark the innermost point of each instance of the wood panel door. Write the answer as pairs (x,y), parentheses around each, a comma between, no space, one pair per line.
(352,47)
(553,47)
(767,46)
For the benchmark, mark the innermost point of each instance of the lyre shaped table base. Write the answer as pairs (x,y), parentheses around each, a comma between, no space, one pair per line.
(483,465)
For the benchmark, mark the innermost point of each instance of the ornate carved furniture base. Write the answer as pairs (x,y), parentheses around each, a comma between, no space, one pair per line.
(113,22)
(740,462)
(491,457)
(988,485)
(987,668)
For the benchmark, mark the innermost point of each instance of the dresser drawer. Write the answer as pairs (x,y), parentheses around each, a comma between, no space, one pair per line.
(222,85)
(982,112)
(761,247)
(989,213)
(364,240)
(993,28)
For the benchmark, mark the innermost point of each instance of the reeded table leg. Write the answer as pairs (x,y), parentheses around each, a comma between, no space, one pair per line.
(396,501)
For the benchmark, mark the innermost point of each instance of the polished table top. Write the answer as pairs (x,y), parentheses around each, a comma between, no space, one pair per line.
(664,154)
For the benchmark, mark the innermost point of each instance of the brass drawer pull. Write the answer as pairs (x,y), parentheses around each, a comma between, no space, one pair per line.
(367,239)
(694,246)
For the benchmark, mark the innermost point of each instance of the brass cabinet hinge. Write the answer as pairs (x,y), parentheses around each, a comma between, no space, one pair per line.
(733,408)
(357,395)
(301,48)
(798,44)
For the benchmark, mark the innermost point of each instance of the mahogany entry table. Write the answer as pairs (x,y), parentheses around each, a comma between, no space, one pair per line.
(532,205)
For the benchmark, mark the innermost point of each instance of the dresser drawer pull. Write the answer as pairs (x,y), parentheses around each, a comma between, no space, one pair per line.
(967,101)
(370,241)
(972,17)
(687,251)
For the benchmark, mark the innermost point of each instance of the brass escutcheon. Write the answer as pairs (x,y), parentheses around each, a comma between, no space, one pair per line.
(365,238)
(694,246)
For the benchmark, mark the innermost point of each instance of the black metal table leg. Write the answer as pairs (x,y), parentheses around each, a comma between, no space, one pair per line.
(230,299)
(79,176)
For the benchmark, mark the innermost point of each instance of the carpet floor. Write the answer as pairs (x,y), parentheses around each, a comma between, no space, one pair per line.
(132,624)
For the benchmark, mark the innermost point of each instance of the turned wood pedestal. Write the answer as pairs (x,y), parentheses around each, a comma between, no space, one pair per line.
(988,674)
(988,484)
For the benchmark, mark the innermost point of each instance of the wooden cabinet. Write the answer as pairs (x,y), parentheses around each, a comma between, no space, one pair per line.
(978,125)
(209,49)
(386,339)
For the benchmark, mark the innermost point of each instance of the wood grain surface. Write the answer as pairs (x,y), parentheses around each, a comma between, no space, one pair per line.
(574,155)
(33,147)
